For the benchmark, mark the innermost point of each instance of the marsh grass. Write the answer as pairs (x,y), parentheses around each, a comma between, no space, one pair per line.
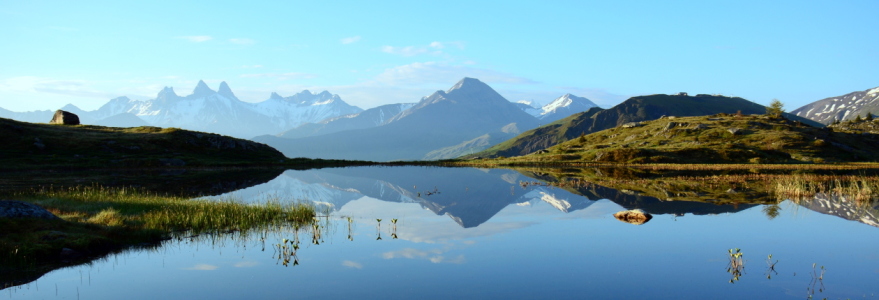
(98,219)
(862,189)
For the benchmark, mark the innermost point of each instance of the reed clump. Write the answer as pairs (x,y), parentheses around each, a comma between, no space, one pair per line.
(99,219)
(859,188)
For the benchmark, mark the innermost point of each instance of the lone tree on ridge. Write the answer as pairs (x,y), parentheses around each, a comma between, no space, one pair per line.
(775,108)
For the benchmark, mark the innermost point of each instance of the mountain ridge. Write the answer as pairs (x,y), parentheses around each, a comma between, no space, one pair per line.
(445,118)
(634,109)
(841,108)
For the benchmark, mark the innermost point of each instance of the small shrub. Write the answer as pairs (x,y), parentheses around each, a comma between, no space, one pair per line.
(107,217)
(756,160)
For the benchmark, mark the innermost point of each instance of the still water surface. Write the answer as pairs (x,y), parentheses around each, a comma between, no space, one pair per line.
(477,234)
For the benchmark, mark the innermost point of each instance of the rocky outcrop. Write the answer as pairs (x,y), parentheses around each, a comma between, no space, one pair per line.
(635,216)
(18,209)
(65,118)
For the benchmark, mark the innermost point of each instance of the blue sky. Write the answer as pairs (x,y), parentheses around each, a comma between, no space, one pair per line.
(379,52)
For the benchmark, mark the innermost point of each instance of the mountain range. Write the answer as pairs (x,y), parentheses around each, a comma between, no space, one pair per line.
(468,117)
(207,110)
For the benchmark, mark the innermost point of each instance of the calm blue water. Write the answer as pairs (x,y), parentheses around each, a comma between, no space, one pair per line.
(478,234)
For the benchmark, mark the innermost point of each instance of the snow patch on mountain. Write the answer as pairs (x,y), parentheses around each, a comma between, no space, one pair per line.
(841,108)
(559,108)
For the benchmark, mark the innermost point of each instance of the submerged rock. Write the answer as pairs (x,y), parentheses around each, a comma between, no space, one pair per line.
(18,209)
(635,216)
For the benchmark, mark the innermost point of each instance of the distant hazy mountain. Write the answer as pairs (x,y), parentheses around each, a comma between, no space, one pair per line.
(635,109)
(39,116)
(372,117)
(121,120)
(528,107)
(842,108)
(209,111)
(466,111)
(559,108)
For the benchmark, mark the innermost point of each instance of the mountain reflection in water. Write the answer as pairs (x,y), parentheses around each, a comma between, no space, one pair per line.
(550,238)
(468,196)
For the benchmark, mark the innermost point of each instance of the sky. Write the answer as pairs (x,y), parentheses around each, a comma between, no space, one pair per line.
(379,52)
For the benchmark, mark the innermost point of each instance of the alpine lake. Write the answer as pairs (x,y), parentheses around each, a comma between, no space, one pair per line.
(412,232)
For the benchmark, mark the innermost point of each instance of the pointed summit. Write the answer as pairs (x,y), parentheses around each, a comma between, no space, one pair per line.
(564,106)
(225,91)
(166,94)
(202,89)
(276,96)
(468,84)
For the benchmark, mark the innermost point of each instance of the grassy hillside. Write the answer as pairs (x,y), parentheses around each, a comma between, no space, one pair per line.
(30,146)
(635,109)
(721,138)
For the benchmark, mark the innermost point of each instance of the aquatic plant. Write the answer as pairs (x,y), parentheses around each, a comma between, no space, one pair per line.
(286,252)
(817,281)
(350,229)
(771,270)
(736,264)
(378,229)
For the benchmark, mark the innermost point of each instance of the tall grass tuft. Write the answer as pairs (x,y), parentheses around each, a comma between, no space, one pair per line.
(862,189)
(139,209)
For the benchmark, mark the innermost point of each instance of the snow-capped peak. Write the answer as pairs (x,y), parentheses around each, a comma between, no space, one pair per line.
(526,102)
(570,101)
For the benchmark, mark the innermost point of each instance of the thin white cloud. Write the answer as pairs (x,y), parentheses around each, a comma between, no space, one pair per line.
(434,48)
(350,40)
(77,88)
(352,264)
(196,38)
(280,76)
(202,267)
(242,41)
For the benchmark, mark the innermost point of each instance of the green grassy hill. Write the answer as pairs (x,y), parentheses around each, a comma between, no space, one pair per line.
(635,109)
(721,138)
(41,146)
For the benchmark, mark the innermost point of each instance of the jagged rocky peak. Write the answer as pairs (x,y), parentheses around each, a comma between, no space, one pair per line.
(124,99)
(225,91)
(276,96)
(306,97)
(202,89)
(166,93)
